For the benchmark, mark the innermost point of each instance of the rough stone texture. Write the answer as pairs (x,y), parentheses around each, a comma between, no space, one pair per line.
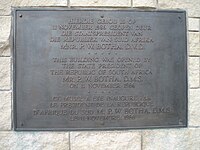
(5,73)
(5,23)
(5,48)
(105,140)
(192,6)
(39,3)
(144,3)
(194,43)
(194,71)
(194,24)
(171,139)
(5,5)
(5,110)
(194,107)
(34,141)
(119,3)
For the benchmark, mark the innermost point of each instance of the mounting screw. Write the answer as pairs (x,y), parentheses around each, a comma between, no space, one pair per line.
(102,16)
(180,121)
(179,17)
(20,15)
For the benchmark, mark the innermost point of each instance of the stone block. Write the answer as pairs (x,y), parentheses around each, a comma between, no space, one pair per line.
(5,27)
(194,43)
(115,3)
(193,72)
(5,72)
(124,140)
(5,23)
(5,5)
(34,140)
(145,3)
(39,3)
(5,48)
(194,107)
(191,6)
(5,110)
(171,139)
(194,24)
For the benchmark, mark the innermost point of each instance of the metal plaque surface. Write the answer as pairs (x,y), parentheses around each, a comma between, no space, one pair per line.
(86,69)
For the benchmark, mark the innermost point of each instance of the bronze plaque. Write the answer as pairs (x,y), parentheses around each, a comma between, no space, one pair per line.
(93,69)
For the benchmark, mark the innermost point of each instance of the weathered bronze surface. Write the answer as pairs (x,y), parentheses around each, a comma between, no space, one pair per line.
(81,69)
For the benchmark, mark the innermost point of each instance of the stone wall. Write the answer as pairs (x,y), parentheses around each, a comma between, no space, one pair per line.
(157,139)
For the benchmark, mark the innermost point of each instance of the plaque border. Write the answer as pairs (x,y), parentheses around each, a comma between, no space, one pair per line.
(76,8)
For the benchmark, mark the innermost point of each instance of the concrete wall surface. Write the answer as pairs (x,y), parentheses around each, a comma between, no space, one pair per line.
(149,139)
